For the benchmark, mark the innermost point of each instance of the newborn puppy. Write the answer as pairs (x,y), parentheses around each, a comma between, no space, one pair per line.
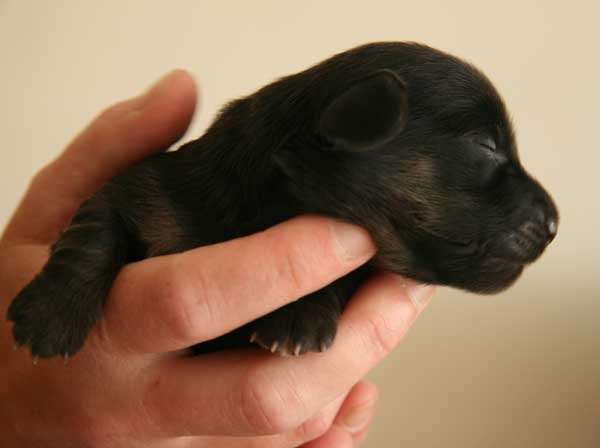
(409,142)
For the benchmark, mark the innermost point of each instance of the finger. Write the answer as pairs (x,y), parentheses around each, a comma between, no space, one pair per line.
(352,420)
(358,409)
(336,437)
(122,135)
(318,425)
(206,292)
(374,322)
(258,393)
(358,412)
(309,430)
(360,437)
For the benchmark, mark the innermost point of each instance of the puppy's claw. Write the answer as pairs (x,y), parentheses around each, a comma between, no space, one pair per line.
(297,349)
(66,357)
(35,360)
(322,347)
(253,338)
(274,347)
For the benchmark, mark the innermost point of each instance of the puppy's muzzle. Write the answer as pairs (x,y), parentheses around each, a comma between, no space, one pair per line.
(536,228)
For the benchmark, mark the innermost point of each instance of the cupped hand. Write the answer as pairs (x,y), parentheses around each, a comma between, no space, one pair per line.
(133,383)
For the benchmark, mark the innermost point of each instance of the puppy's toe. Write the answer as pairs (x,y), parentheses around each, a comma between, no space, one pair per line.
(293,334)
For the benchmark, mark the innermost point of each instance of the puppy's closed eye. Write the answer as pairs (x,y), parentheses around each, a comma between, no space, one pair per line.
(491,162)
(486,142)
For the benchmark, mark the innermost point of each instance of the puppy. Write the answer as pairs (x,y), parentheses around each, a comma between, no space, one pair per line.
(409,142)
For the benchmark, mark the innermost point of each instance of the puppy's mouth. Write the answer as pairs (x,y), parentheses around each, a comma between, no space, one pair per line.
(479,263)
(472,267)
(462,247)
(520,247)
(524,245)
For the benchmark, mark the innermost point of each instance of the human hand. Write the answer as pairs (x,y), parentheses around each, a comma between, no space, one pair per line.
(132,384)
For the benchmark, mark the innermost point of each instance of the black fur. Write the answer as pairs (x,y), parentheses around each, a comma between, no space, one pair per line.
(411,143)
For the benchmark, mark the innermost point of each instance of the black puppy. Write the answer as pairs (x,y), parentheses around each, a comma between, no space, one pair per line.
(411,143)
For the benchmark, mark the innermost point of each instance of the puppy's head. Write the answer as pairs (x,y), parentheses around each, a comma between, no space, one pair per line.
(416,146)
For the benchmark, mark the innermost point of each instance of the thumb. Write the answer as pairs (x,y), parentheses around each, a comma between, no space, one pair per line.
(123,134)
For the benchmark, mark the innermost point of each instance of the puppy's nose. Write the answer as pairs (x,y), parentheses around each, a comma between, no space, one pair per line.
(544,221)
(552,229)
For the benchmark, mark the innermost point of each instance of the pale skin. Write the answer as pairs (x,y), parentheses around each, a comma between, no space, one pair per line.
(132,384)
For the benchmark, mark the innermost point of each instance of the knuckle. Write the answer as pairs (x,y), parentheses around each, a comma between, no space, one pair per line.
(267,407)
(303,261)
(180,303)
(313,428)
(294,271)
(291,267)
(378,337)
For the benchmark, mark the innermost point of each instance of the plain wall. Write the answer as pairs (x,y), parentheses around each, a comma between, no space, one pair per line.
(521,369)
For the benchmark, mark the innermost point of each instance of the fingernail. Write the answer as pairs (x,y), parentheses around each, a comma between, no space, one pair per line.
(420,294)
(351,242)
(358,418)
(162,82)
(155,89)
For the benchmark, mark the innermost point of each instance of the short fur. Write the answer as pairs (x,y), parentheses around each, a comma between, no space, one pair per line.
(409,142)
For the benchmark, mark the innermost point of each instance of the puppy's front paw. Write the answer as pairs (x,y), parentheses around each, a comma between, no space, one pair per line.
(293,335)
(46,324)
(306,325)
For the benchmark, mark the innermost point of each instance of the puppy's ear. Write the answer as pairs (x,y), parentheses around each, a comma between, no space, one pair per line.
(367,114)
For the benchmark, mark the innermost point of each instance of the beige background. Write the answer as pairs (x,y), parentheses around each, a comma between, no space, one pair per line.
(517,370)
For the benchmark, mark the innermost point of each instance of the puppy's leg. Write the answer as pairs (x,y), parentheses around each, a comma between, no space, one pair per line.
(54,313)
(308,324)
